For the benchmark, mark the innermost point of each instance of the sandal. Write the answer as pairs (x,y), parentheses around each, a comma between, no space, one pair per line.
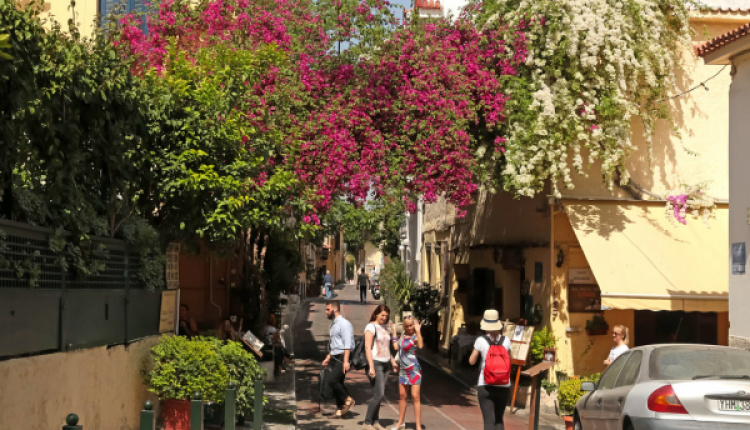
(347,405)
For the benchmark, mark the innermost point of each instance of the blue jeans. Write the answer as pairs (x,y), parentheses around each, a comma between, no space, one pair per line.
(328,291)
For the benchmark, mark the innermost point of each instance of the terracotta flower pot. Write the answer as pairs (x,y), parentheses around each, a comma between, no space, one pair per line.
(568,422)
(176,414)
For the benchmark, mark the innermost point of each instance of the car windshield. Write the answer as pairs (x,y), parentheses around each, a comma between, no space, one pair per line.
(686,363)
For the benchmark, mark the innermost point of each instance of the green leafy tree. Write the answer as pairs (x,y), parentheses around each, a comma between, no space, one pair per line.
(71,133)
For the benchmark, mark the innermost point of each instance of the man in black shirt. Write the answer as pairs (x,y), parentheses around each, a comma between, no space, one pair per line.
(363,282)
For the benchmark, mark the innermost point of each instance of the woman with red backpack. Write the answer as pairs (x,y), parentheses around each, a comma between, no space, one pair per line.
(493,388)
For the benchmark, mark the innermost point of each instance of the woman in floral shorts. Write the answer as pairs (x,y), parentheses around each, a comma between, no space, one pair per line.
(410,373)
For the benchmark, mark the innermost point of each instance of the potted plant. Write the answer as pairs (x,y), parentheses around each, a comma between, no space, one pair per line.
(597,325)
(182,367)
(542,340)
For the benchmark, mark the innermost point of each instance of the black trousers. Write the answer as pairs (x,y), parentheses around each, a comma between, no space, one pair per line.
(340,393)
(492,403)
(362,293)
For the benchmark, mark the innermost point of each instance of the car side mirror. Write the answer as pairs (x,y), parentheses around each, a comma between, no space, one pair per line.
(588,386)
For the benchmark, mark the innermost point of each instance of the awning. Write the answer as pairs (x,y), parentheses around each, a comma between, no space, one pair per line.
(641,260)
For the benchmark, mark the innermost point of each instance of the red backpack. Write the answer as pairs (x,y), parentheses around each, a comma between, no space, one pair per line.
(497,363)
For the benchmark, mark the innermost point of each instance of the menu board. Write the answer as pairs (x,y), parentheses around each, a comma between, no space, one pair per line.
(168,311)
(520,336)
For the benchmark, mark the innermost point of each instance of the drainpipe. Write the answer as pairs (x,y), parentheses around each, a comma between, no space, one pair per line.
(211,285)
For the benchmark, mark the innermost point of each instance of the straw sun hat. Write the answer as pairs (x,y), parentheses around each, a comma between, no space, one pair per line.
(491,321)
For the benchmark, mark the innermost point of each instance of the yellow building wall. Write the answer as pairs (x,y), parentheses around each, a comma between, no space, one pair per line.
(373,255)
(85,14)
(102,385)
(700,153)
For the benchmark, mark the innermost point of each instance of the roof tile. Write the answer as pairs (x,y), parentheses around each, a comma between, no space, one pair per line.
(719,41)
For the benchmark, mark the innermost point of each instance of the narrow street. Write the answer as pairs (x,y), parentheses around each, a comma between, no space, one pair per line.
(446,404)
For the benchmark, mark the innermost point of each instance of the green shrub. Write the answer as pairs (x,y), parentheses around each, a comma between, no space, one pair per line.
(243,370)
(568,394)
(395,285)
(570,391)
(183,366)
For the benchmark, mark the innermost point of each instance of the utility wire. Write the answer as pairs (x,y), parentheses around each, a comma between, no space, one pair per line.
(702,84)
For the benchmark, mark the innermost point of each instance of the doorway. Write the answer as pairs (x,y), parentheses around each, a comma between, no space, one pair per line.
(675,327)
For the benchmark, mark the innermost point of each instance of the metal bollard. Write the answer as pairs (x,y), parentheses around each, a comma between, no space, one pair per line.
(258,411)
(72,420)
(148,417)
(196,412)
(230,407)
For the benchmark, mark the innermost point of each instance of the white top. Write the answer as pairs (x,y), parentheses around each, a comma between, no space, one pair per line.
(616,351)
(381,345)
(483,347)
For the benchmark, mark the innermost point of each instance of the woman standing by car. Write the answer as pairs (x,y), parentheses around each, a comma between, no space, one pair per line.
(620,337)
(379,362)
(492,398)
(410,372)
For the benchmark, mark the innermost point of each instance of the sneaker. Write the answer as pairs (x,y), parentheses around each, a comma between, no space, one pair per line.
(367,427)
(377,426)
(401,427)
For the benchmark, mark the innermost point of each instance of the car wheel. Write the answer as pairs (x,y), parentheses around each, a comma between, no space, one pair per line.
(577,423)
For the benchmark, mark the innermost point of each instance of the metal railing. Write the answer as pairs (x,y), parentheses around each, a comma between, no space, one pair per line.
(38,294)
(148,415)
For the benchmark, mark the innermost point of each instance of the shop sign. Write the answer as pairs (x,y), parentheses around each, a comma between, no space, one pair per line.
(581,276)
(584,298)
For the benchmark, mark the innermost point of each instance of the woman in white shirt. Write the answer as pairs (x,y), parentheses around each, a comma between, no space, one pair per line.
(620,337)
(492,398)
(379,362)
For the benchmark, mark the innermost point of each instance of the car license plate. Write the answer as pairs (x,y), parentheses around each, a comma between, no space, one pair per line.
(734,405)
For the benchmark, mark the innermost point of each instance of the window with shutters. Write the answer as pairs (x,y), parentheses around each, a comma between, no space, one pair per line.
(107,7)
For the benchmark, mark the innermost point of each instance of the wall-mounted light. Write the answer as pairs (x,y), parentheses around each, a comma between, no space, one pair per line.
(428,247)
(560,258)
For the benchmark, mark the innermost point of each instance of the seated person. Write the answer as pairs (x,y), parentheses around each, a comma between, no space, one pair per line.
(226,331)
(187,327)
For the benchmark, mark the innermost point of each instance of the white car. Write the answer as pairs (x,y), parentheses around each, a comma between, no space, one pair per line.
(670,387)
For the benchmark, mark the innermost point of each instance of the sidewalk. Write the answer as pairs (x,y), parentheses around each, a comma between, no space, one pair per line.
(281,410)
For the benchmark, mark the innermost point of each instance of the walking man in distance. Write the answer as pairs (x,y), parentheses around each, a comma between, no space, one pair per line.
(328,282)
(340,347)
(363,282)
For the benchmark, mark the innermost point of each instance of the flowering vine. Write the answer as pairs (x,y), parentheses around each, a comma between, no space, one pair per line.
(592,67)
(419,111)
(692,199)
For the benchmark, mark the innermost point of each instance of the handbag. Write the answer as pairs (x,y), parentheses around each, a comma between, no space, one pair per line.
(324,379)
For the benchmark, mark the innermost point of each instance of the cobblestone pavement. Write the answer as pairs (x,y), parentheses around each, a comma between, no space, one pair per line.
(446,403)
